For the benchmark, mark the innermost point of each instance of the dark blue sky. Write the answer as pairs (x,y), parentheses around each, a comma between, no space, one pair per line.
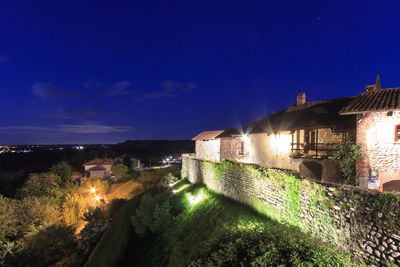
(108,71)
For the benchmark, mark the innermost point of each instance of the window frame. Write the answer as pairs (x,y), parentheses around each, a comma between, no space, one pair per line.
(241,148)
(396,129)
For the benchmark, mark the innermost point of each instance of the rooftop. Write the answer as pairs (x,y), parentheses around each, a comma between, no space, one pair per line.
(374,100)
(314,114)
(207,135)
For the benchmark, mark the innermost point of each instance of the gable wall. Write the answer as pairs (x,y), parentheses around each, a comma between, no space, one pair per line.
(208,149)
(375,132)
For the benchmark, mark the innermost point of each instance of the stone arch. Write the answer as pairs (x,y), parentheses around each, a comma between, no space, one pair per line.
(391,186)
(311,169)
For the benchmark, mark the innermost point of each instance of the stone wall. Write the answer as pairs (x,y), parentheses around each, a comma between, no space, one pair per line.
(375,133)
(367,223)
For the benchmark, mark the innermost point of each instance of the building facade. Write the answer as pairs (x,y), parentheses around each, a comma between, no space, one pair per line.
(304,137)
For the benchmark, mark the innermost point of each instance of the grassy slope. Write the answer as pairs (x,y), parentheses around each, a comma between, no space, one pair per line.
(218,231)
(115,240)
(111,248)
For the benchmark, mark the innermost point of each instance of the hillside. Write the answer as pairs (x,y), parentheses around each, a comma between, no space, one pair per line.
(199,227)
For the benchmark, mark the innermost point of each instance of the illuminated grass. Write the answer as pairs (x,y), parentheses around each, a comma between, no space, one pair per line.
(210,229)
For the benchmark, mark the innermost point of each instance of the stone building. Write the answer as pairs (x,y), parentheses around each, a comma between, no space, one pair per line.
(98,167)
(303,138)
(378,132)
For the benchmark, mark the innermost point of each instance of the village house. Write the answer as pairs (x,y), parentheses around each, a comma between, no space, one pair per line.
(303,138)
(100,167)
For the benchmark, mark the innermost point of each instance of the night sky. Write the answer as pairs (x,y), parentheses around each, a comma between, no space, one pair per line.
(108,71)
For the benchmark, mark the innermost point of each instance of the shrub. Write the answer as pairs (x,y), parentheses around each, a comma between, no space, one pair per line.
(153,214)
(101,186)
(51,244)
(92,233)
(119,170)
(63,170)
(42,184)
(167,180)
(347,154)
(94,214)
(73,209)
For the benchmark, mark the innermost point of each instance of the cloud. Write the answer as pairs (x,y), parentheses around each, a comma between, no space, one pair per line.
(119,88)
(46,91)
(92,83)
(83,115)
(171,89)
(71,128)
(4,58)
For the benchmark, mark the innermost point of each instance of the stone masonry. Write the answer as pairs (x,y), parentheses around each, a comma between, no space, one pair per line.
(348,216)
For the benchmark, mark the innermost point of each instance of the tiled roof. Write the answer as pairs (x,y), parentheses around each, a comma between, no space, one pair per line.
(315,114)
(98,161)
(207,135)
(97,168)
(375,100)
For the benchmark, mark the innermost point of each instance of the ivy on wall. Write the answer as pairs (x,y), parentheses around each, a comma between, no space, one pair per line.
(355,219)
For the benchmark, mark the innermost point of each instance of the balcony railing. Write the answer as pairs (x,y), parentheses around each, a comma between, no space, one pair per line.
(313,150)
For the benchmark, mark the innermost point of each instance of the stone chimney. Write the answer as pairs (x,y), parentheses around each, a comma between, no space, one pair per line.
(301,99)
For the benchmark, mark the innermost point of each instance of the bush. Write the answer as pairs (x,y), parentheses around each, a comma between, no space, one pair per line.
(102,186)
(119,170)
(42,184)
(51,244)
(63,170)
(94,214)
(153,214)
(92,233)
(9,253)
(73,209)
(168,180)
(347,154)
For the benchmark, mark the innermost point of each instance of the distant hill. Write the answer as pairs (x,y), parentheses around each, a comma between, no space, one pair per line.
(146,149)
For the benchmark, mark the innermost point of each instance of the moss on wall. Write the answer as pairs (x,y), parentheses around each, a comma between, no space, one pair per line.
(362,221)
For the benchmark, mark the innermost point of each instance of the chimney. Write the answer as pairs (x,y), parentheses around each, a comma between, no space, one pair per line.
(373,87)
(301,99)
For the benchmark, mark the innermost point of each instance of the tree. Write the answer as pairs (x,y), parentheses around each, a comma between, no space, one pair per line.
(127,161)
(8,220)
(119,170)
(62,169)
(51,244)
(42,184)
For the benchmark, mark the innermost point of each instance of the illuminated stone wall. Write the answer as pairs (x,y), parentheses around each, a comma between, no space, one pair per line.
(375,132)
(360,221)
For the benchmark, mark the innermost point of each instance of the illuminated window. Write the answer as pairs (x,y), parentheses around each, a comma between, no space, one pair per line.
(397,133)
(241,148)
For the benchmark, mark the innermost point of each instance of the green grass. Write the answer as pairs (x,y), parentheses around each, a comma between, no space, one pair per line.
(218,231)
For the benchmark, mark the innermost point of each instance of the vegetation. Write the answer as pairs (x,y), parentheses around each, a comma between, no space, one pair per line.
(238,236)
(63,170)
(119,170)
(347,154)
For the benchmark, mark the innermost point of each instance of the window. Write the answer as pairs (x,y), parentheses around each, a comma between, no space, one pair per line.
(397,133)
(309,140)
(241,148)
